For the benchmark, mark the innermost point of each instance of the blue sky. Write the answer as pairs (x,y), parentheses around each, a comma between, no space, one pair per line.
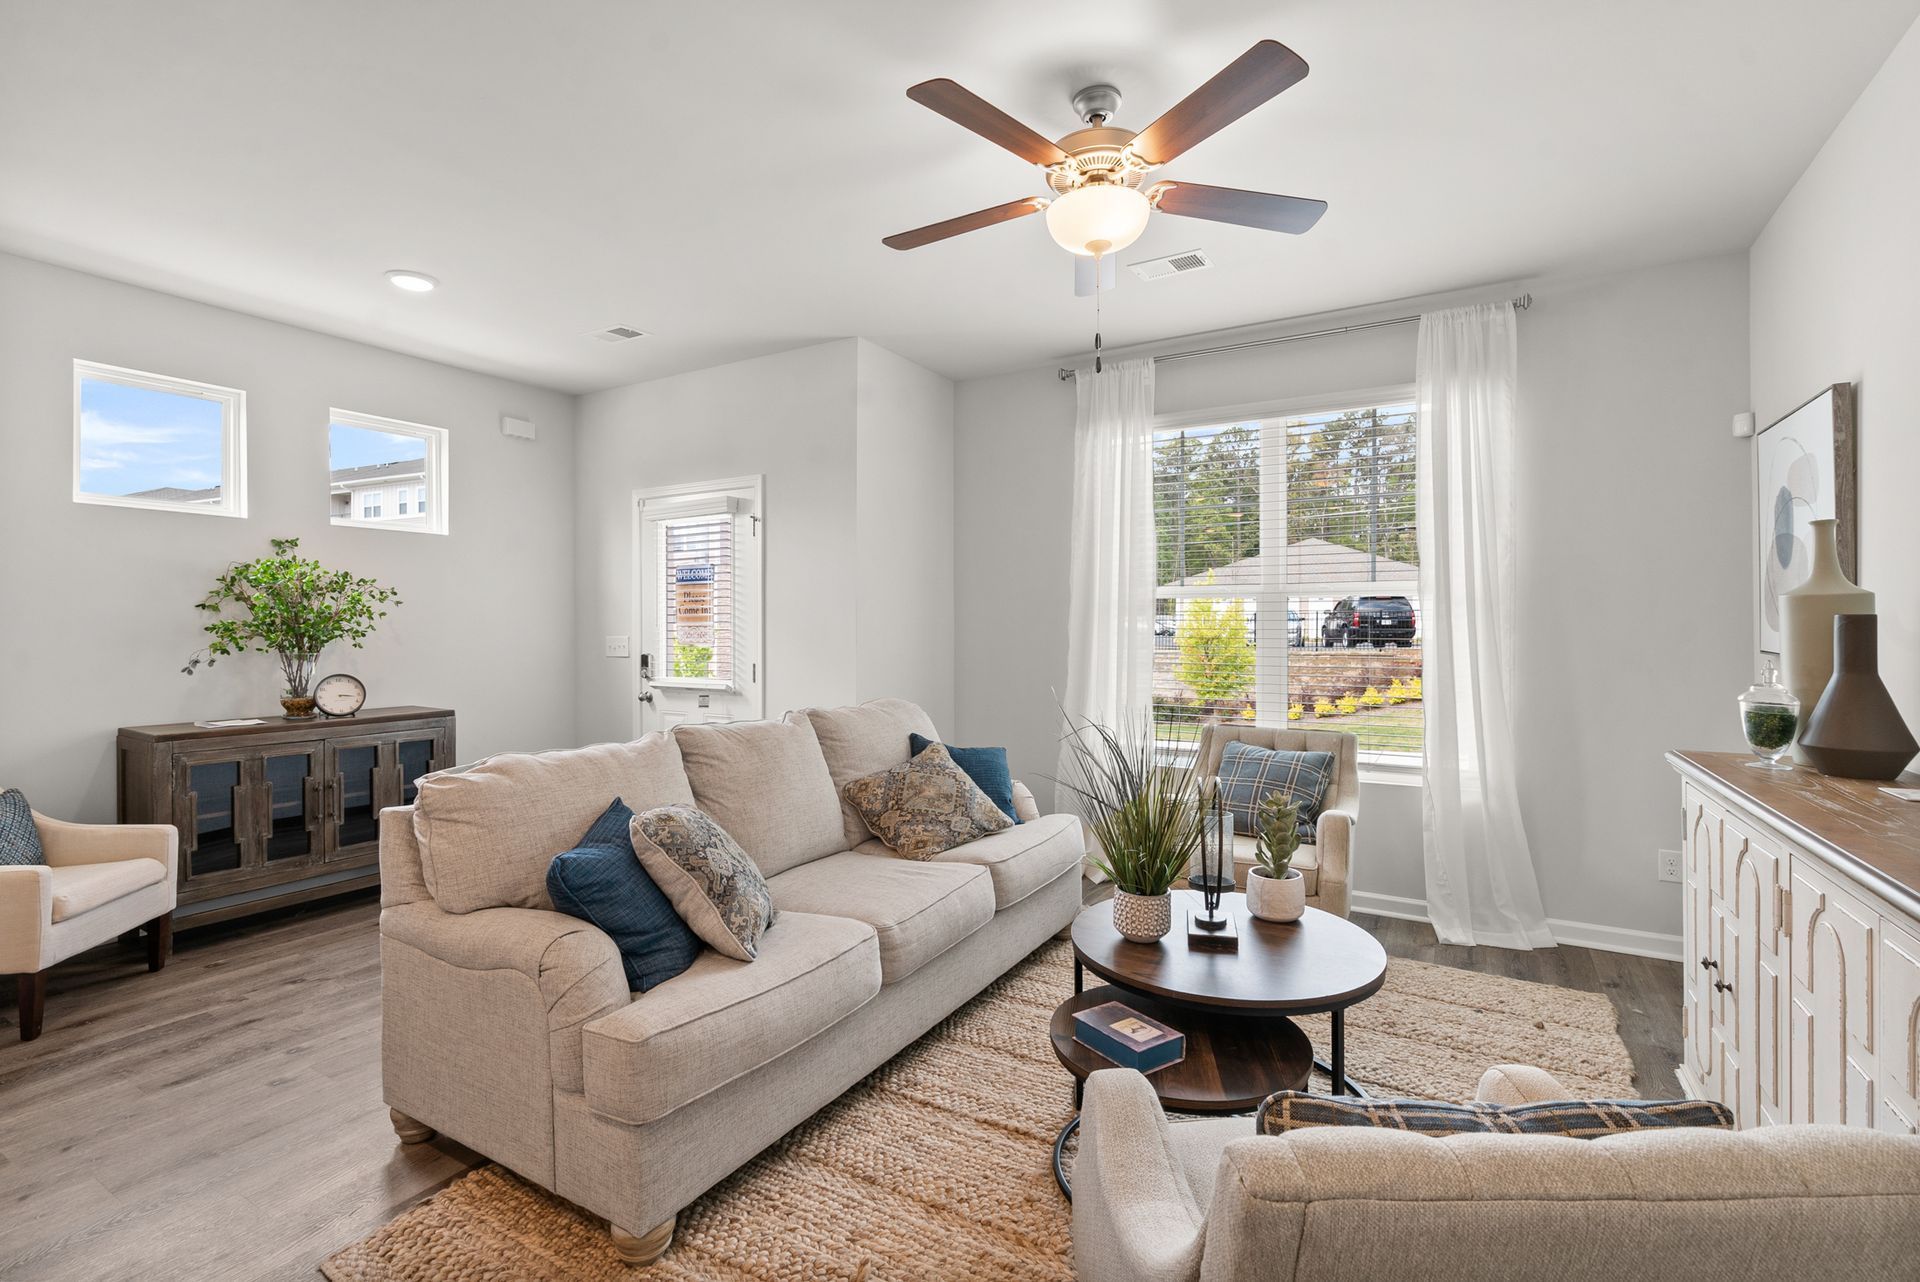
(360,446)
(136,438)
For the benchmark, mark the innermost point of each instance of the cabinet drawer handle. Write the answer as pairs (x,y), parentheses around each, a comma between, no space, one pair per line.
(1709,963)
(1723,986)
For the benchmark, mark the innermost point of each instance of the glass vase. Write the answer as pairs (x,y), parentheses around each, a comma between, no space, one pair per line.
(1769,719)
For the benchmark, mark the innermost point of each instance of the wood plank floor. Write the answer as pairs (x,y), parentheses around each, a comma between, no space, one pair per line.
(221,1120)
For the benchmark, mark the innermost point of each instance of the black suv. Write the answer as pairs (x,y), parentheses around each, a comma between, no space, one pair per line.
(1373,619)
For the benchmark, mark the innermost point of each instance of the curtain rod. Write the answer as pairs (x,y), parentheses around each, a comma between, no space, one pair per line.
(1520,304)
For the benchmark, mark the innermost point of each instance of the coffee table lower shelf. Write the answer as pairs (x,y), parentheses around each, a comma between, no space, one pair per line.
(1233,1061)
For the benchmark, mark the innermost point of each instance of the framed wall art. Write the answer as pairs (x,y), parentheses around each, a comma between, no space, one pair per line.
(1803,471)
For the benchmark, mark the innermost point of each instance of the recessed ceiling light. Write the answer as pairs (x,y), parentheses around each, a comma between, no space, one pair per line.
(412,282)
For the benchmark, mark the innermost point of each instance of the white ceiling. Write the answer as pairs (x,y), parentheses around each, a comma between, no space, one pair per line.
(721,174)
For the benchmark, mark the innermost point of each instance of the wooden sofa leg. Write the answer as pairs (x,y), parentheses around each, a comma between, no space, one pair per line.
(409,1131)
(33,1005)
(159,941)
(646,1247)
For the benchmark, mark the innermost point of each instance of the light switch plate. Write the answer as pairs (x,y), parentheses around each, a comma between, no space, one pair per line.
(617,648)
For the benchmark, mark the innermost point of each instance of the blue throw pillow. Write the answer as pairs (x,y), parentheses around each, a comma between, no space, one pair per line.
(601,881)
(19,838)
(987,767)
(1249,775)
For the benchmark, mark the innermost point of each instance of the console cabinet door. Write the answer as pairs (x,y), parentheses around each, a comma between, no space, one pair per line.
(1897,1017)
(212,797)
(1702,838)
(1751,983)
(359,784)
(1832,982)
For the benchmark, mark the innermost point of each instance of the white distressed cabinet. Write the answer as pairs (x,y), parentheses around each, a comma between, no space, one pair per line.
(1802,897)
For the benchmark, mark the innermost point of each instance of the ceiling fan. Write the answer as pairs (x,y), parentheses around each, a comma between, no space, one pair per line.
(1096,173)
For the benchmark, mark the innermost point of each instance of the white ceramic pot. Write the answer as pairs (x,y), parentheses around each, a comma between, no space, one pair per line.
(1806,622)
(1142,918)
(1276,899)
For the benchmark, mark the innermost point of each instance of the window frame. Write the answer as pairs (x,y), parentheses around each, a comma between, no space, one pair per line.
(233,438)
(1270,671)
(668,512)
(435,467)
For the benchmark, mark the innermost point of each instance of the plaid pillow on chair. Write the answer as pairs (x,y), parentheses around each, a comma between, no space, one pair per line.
(1286,1111)
(1249,775)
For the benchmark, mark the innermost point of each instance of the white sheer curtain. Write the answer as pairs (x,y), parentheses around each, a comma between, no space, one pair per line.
(1110,610)
(1481,887)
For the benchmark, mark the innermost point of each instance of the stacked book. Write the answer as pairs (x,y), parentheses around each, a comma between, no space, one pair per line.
(1128,1038)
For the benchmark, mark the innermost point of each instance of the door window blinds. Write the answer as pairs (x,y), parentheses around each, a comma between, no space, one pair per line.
(696,604)
(1287,577)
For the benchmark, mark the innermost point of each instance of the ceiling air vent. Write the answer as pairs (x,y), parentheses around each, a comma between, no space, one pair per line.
(1187,260)
(617,334)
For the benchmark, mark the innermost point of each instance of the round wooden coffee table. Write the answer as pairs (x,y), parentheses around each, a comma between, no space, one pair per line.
(1232,1007)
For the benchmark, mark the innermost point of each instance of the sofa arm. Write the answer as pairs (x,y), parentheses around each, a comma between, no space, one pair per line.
(1134,1214)
(575,965)
(1025,808)
(1333,841)
(67,844)
(1510,1084)
(26,910)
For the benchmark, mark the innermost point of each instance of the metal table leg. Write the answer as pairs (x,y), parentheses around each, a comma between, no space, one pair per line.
(1337,1070)
(1059,1167)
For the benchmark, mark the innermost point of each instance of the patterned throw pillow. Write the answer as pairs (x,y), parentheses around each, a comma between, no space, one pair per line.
(1249,775)
(19,838)
(714,886)
(601,881)
(1579,1119)
(925,806)
(985,766)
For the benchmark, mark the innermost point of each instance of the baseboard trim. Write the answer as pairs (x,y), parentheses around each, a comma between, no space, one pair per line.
(1581,934)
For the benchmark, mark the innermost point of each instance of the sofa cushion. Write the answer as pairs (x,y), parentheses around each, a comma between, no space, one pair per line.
(80,887)
(861,740)
(766,783)
(714,887)
(1019,860)
(919,910)
(924,806)
(722,1019)
(487,832)
(1306,861)
(1250,774)
(987,767)
(1286,1111)
(601,881)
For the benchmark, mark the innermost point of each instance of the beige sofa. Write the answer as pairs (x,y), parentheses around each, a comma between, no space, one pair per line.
(509,1026)
(1213,1201)
(1326,862)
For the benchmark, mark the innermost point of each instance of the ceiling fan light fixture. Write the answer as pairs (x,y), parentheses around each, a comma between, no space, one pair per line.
(1097,219)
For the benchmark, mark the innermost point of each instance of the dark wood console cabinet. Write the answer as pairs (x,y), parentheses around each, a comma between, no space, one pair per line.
(280,812)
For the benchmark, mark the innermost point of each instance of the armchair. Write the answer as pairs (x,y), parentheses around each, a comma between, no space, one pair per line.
(1327,861)
(100,881)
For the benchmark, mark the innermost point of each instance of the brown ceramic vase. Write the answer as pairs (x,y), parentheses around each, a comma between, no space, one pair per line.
(1855,731)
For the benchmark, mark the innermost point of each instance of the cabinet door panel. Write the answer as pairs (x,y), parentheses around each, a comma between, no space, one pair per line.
(416,755)
(1833,957)
(210,810)
(355,780)
(1702,835)
(290,786)
(1897,1015)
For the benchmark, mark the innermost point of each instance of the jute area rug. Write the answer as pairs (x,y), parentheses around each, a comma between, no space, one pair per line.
(938,1164)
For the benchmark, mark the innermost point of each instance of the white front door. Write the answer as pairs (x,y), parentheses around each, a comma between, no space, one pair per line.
(697,642)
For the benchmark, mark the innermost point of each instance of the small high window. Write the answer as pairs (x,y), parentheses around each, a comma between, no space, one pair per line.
(148,440)
(371,456)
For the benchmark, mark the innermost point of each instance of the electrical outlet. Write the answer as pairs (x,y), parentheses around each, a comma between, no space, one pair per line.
(1669,865)
(617,648)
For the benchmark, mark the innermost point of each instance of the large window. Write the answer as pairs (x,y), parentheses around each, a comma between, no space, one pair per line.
(147,440)
(381,470)
(1288,576)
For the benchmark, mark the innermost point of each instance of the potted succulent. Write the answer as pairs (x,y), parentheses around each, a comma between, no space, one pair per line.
(1275,889)
(291,607)
(1146,821)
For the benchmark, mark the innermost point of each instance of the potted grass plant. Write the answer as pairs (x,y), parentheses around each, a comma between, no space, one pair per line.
(1146,821)
(292,608)
(1276,891)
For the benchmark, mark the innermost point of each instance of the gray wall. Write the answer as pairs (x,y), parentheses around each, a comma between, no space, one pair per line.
(1632,518)
(100,614)
(1835,276)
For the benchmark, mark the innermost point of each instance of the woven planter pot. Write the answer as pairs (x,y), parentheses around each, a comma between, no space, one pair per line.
(1142,918)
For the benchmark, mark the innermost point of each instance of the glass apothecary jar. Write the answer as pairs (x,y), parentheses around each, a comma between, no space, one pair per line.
(1769,718)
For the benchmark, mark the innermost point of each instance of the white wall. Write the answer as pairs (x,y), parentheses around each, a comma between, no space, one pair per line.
(1836,298)
(789,417)
(100,614)
(904,532)
(1633,515)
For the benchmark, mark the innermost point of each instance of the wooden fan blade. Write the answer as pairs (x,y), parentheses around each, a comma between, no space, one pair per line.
(1260,73)
(1293,214)
(964,223)
(970,111)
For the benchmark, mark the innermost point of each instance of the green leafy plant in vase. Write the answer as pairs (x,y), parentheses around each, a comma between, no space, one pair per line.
(1145,820)
(1276,890)
(291,607)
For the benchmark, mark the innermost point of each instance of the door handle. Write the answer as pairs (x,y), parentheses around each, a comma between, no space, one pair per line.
(193,821)
(645,696)
(1723,986)
(1709,963)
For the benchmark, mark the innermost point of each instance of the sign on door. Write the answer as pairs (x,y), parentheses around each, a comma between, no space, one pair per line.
(693,604)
